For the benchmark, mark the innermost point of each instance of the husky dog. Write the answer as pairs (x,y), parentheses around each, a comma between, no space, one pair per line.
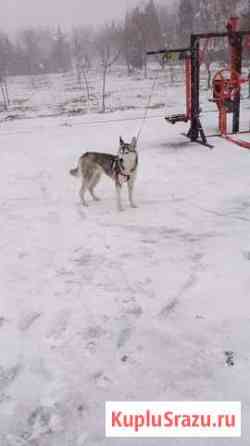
(122,168)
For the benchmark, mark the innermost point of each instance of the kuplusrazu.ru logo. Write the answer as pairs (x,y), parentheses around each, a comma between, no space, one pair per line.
(173,419)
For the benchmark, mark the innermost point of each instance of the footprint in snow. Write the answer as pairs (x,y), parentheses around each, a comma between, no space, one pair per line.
(28,320)
(102,381)
(90,348)
(93,334)
(59,325)
(134,310)
(124,336)
(7,376)
(44,421)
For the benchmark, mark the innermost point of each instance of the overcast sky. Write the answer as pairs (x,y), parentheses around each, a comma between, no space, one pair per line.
(15,14)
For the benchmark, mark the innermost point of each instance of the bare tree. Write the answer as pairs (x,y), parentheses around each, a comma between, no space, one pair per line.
(61,54)
(141,26)
(83,52)
(4,57)
(126,43)
(30,45)
(108,53)
(4,91)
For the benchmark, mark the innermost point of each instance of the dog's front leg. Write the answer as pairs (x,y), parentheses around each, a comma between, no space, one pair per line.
(118,196)
(131,183)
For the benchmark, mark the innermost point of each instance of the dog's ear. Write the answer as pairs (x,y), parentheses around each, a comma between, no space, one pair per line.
(121,141)
(134,142)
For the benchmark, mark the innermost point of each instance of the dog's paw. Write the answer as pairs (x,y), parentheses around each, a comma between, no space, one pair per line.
(133,205)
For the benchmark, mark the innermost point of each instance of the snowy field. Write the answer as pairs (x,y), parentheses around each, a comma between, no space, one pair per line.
(140,305)
(62,95)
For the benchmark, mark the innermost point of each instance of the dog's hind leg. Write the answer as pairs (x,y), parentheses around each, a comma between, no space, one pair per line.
(131,183)
(82,192)
(92,185)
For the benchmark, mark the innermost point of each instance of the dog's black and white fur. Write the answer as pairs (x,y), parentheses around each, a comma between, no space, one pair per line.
(122,168)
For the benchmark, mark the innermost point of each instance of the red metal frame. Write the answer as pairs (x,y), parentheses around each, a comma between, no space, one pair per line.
(231,87)
(224,90)
(228,100)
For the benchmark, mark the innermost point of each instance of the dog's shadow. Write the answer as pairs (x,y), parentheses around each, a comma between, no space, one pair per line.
(175,146)
(95,209)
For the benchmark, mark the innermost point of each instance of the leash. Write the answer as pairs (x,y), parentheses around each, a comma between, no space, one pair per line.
(147,106)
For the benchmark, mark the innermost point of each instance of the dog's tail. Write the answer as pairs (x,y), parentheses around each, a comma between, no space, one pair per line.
(75,172)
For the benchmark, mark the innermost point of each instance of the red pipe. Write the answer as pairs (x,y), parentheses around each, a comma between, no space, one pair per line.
(239,142)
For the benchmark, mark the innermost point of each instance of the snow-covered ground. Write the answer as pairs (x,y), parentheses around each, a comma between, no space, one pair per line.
(140,305)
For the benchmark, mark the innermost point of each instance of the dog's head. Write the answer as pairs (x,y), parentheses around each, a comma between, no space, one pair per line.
(126,148)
